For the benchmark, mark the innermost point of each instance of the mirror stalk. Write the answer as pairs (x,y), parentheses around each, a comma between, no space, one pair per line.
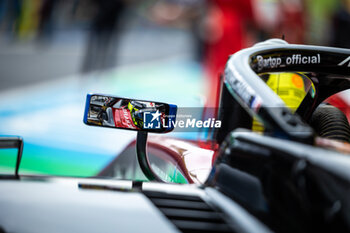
(142,157)
(13,142)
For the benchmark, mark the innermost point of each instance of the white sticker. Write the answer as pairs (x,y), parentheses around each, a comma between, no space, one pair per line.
(345,61)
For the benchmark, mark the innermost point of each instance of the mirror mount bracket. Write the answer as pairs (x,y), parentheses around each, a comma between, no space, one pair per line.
(142,157)
(13,142)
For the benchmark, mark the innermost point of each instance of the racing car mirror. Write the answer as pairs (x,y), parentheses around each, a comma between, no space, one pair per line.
(131,114)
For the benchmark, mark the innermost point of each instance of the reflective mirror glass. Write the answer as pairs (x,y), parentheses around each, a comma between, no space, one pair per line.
(132,114)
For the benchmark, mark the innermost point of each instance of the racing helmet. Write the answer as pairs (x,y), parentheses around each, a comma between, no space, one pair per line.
(291,87)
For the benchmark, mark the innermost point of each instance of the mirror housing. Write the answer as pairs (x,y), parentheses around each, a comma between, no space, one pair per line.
(122,113)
